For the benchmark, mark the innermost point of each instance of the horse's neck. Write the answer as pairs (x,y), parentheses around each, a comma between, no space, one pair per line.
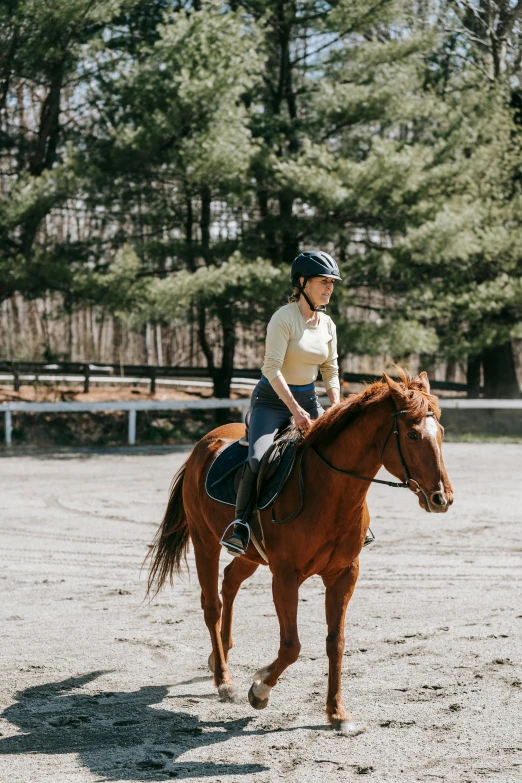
(357,447)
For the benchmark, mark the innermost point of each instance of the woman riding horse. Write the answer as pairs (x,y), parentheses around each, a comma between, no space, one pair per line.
(301,339)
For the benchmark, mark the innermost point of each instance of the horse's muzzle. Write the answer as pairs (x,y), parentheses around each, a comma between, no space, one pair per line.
(435,501)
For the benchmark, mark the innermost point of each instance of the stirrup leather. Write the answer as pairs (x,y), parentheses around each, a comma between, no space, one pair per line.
(233,548)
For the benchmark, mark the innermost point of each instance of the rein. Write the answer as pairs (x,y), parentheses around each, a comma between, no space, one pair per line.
(401,485)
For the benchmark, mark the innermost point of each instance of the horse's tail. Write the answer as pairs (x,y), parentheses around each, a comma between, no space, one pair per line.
(170,543)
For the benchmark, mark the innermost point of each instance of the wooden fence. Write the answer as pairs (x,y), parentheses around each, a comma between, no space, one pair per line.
(84,372)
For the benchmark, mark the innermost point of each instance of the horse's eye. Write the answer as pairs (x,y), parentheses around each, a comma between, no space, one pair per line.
(413,436)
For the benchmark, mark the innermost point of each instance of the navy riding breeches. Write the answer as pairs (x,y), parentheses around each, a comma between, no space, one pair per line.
(269,414)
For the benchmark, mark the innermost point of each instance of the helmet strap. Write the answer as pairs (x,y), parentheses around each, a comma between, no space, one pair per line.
(319,309)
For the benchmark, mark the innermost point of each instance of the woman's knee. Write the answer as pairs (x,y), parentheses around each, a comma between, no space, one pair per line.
(258,447)
(254,464)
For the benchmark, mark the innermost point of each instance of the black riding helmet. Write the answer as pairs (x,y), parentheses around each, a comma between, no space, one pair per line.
(313,263)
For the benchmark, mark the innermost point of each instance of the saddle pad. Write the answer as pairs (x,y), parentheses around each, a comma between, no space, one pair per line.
(220,484)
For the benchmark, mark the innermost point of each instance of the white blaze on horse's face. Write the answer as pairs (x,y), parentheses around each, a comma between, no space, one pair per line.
(431,428)
(432,498)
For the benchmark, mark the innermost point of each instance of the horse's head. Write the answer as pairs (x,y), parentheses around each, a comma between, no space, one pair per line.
(413,449)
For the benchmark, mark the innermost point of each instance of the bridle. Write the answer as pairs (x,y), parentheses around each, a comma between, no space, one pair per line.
(400,484)
(409,479)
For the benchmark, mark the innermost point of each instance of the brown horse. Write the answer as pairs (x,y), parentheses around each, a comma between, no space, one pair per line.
(325,538)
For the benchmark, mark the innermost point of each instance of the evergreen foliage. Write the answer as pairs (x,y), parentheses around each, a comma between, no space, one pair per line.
(166,161)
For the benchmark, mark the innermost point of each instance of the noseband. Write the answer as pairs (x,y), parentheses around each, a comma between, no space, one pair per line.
(400,484)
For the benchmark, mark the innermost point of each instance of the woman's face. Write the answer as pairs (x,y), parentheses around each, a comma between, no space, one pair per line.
(319,290)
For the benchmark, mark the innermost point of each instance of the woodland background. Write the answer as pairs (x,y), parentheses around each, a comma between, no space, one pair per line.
(162,162)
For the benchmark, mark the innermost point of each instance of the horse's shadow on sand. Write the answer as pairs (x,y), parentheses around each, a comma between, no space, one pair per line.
(119,736)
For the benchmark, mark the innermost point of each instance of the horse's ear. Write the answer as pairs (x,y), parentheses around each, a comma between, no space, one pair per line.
(397,391)
(425,381)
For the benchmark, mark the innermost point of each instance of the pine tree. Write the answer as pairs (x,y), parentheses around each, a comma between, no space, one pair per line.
(197,140)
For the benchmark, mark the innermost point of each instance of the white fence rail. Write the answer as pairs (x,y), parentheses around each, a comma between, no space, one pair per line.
(133,406)
(480,404)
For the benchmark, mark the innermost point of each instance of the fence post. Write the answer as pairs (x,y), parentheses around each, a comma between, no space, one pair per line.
(152,375)
(8,427)
(86,378)
(132,427)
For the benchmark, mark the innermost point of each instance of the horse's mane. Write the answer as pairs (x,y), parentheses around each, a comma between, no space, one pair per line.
(417,403)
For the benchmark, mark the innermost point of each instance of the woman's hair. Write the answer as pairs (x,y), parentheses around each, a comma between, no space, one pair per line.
(295,296)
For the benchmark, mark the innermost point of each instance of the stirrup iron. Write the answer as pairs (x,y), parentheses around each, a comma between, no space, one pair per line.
(233,548)
(370,538)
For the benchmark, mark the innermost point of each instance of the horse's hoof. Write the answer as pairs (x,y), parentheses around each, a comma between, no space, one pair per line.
(348,728)
(257,704)
(211,666)
(227,692)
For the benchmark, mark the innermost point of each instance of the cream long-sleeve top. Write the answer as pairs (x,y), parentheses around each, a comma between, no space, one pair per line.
(297,351)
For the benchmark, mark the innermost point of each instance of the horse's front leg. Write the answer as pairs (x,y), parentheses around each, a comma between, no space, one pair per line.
(285,591)
(339,590)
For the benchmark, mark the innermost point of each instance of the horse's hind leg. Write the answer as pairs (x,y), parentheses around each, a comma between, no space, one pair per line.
(207,563)
(235,574)
(339,590)
(285,590)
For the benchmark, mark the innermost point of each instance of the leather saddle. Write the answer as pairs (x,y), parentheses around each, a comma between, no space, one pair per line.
(276,467)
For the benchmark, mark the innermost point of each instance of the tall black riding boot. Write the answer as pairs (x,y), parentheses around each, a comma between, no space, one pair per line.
(238,540)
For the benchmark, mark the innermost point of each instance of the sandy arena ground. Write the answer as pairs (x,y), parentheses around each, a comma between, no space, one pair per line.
(97,685)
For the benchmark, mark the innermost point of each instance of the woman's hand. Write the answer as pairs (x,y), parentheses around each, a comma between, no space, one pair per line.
(302,420)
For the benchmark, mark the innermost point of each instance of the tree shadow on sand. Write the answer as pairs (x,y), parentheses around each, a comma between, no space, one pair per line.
(119,736)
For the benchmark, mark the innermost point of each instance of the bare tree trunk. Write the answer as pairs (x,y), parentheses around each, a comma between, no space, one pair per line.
(500,377)
(69,336)
(43,154)
(149,344)
(223,374)
(491,23)
(47,334)
(121,349)
(473,375)
(204,343)
(8,330)
(15,320)
(427,362)
(289,239)
(99,341)
(159,345)
(8,59)
(116,343)
(206,199)
(451,370)
(92,322)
